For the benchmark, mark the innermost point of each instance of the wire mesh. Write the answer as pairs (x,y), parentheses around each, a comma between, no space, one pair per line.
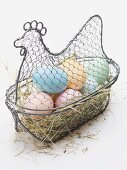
(66,86)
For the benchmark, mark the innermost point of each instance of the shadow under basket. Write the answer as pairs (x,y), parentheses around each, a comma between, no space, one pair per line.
(85,47)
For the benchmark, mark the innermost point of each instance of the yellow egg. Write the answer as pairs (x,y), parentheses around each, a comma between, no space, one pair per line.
(76,73)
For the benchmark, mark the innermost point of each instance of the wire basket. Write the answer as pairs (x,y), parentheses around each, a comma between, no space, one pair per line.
(55,93)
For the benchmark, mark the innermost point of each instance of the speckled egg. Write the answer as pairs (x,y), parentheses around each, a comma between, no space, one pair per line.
(90,86)
(50,79)
(98,68)
(38,101)
(76,73)
(67,96)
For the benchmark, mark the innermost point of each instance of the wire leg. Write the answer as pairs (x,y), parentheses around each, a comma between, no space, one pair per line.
(15,117)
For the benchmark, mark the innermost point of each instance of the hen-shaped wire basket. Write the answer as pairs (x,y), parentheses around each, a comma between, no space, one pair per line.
(55,93)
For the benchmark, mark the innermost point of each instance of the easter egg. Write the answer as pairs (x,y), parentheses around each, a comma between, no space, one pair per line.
(98,68)
(38,101)
(90,86)
(76,73)
(67,96)
(50,79)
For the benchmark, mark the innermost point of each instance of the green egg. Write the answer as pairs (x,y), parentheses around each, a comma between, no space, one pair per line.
(89,86)
(98,68)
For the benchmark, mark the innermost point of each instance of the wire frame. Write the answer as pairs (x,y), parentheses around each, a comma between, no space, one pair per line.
(52,83)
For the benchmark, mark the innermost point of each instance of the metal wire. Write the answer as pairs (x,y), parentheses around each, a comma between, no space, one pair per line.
(81,67)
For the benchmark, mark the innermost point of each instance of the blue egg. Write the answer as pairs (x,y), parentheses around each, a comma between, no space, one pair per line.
(50,79)
(90,85)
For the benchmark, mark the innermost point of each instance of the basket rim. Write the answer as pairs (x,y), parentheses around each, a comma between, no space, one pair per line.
(67,106)
(56,110)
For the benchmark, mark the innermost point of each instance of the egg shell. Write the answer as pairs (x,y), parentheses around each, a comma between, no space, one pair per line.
(38,101)
(50,79)
(90,86)
(67,96)
(98,68)
(76,73)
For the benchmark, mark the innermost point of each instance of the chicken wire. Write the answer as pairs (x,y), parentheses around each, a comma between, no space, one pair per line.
(82,67)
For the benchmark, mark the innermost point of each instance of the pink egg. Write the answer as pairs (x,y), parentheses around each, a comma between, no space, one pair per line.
(38,101)
(66,97)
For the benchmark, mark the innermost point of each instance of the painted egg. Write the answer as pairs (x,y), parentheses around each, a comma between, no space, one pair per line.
(38,101)
(90,86)
(66,97)
(76,73)
(98,68)
(50,79)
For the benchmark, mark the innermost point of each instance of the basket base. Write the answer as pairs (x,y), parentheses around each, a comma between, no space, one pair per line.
(53,136)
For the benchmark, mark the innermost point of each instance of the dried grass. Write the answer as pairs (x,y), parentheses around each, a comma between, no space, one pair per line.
(53,127)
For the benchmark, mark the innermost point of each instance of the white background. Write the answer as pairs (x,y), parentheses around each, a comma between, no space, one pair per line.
(63,18)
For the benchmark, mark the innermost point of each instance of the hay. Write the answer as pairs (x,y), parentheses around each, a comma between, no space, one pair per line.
(53,127)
